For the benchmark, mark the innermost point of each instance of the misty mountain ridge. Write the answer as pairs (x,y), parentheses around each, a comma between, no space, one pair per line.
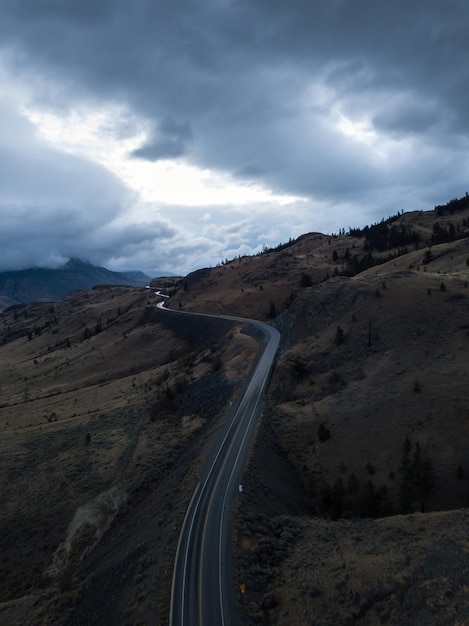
(38,284)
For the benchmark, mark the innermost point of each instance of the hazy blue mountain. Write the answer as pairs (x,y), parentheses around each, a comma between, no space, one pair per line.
(42,284)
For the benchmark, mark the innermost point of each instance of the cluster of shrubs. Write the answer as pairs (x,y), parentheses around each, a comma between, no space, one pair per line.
(348,497)
(273,539)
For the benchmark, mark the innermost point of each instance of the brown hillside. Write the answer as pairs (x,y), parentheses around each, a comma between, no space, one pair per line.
(405,379)
(400,372)
(340,406)
(264,286)
(109,406)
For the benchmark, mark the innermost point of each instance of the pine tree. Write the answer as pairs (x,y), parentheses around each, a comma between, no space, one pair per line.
(405,477)
(339,336)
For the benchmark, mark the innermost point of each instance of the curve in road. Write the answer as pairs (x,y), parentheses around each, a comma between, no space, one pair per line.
(203,587)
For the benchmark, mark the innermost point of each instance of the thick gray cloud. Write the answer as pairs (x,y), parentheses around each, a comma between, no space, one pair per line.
(34,175)
(269,91)
(55,205)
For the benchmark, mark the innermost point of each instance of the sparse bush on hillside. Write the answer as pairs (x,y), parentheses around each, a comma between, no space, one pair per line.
(299,367)
(336,379)
(323,432)
(217,364)
(427,257)
(166,403)
(272,310)
(306,280)
(339,336)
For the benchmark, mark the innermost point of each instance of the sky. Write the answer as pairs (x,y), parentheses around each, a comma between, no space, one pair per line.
(170,135)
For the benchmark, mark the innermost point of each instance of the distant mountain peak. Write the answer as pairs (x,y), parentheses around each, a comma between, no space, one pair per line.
(40,284)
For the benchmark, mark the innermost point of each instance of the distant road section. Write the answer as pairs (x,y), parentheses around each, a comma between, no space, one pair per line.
(204,589)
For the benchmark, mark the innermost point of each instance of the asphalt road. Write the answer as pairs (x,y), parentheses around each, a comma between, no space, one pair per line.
(204,589)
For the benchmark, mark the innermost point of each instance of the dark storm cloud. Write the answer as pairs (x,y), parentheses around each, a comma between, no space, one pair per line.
(33,174)
(55,205)
(172,141)
(257,87)
(215,64)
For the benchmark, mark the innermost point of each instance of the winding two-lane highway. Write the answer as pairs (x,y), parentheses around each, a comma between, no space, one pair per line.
(203,589)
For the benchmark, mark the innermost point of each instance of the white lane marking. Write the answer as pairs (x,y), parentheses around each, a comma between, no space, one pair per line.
(240,449)
(171,610)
